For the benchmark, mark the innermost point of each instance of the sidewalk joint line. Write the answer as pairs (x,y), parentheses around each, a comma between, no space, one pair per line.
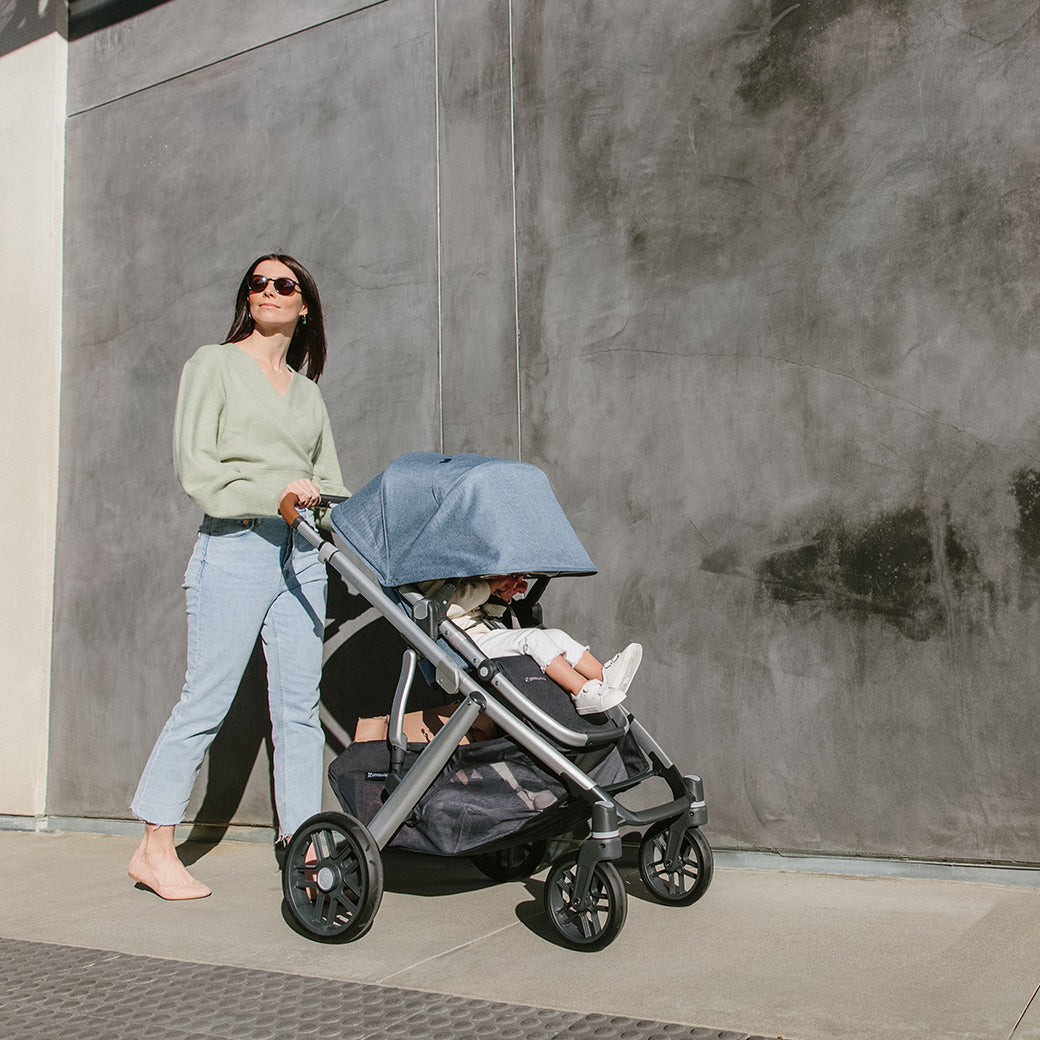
(446,953)
(1025,1011)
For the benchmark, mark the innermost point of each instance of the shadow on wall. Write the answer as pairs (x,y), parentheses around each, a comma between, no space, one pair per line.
(358,680)
(87,16)
(1025,488)
(904,566)
(784,67)
(233,752)
(361,674)
(25,21)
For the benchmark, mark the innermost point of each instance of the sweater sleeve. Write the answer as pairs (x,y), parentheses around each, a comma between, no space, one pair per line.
(201,402)
(327,473)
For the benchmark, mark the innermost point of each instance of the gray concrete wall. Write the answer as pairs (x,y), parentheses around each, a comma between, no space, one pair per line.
(755,284)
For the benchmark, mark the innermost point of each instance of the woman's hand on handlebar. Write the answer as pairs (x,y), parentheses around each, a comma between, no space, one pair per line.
(307,493)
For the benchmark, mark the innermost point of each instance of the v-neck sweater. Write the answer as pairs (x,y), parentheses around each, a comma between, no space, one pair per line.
(237,441)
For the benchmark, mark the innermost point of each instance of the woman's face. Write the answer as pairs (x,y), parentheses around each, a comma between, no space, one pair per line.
(268,306)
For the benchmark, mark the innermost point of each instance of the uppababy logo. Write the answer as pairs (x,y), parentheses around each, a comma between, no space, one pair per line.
(370,775)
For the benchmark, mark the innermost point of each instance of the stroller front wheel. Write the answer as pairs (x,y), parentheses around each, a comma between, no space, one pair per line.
(592,923)
(685,879)
(332,879)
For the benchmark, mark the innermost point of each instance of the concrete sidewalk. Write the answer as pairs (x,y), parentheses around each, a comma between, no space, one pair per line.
(804,956)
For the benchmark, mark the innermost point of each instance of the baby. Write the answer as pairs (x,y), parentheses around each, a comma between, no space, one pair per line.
(478,606)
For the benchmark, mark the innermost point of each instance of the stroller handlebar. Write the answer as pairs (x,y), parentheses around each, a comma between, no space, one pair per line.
(287,507)
(290,514)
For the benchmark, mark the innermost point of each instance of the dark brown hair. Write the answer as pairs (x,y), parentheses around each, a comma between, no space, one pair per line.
(308,342)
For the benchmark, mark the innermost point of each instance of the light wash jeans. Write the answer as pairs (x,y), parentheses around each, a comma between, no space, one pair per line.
(246,577)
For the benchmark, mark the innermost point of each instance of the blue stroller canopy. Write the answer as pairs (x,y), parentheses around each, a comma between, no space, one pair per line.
(430,516)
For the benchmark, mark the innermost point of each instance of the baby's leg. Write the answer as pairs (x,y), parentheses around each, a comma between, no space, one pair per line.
(589,667)
(563,659)
(564,675)
(575,655)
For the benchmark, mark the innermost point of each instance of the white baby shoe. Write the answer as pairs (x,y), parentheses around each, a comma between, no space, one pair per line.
(620,670)
(596,696)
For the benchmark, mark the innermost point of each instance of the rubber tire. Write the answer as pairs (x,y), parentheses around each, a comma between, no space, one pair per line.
(678,887)
(344,911)
(587,930)
(518,861)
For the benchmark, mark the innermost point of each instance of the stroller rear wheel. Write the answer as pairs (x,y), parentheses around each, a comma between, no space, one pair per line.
(332,879)
(518,861)
(682,880)
(592,923)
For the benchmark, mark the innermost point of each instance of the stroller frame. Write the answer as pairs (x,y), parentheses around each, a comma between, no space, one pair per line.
(332,876)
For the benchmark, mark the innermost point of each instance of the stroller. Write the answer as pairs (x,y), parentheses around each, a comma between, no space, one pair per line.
(500,801)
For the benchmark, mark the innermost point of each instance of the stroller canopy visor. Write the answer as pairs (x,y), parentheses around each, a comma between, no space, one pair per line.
(430,516)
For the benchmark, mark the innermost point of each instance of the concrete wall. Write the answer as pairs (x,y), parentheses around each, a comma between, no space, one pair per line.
(32,83)
(754,284)
(779,315)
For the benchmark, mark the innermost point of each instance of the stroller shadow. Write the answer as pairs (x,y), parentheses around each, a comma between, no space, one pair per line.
(415,874)
(418,874)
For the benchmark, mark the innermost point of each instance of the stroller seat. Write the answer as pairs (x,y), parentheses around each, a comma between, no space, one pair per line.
(491,793)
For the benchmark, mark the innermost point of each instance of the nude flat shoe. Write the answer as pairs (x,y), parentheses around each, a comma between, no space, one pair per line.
(140,872)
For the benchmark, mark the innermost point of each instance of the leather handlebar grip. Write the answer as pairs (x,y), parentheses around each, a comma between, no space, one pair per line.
(288,508)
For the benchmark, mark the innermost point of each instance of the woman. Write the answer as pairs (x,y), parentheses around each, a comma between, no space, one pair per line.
(249,430)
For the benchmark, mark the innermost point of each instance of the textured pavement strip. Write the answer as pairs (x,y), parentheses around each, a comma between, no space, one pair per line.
(49,991)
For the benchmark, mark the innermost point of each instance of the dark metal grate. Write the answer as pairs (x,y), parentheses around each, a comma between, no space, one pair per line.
(49,991)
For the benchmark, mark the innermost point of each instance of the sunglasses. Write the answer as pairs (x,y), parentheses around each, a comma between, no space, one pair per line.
(282,286)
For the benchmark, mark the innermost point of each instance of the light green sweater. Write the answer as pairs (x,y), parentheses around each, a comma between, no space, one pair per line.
(237,442)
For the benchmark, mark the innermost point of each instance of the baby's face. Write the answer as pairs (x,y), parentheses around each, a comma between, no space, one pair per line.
(506,586)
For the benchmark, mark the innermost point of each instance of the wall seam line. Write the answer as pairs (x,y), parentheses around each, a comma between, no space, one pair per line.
(437,176)
(220,61)
(516,251)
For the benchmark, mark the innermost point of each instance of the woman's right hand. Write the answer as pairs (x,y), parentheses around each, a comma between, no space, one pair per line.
(307,493)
